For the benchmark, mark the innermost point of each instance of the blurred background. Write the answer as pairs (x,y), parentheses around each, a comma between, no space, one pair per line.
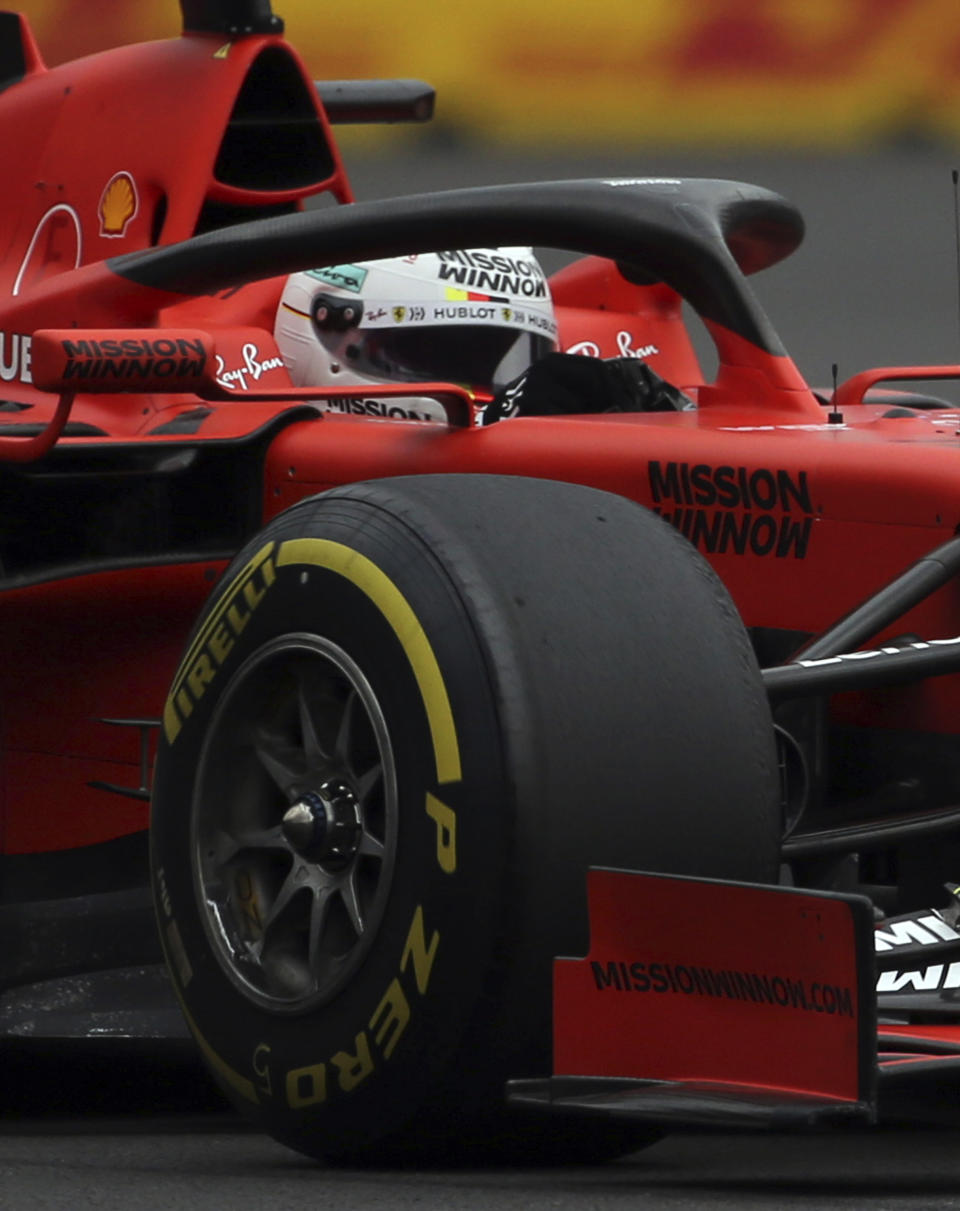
(849,107)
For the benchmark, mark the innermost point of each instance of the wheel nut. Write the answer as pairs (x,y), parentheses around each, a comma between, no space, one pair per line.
(324,825)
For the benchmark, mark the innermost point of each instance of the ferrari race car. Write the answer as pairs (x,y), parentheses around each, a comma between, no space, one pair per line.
(394,689)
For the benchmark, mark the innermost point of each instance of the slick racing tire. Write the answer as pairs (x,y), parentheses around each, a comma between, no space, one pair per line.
(410,717)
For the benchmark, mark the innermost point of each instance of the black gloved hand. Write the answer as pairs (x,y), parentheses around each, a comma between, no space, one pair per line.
(565,384)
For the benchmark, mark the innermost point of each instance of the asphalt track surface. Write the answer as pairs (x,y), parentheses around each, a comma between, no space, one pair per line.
(139,1135)
(875,283)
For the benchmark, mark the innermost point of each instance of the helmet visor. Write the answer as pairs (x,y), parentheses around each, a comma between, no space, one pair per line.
(484,358)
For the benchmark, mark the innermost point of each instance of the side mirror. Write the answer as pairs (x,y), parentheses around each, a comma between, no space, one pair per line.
(122,359)
(184,360)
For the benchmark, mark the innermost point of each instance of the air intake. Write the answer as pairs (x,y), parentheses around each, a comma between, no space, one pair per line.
(274,139)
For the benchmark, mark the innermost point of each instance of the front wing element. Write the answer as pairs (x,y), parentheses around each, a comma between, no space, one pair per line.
(717,1003)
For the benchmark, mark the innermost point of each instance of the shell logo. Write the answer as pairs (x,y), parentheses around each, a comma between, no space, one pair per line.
(119,202)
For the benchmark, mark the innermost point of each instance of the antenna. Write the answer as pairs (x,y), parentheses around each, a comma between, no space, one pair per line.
(956,230)
(834,416)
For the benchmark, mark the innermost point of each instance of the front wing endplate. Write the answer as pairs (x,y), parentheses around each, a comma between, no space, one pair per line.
(717,1003)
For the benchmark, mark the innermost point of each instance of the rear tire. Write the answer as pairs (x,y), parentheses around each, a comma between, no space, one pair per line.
(470,688)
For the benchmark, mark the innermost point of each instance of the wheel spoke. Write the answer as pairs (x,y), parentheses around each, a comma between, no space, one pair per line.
(371,847)
(283,763)
(288,889)
(342,746)
(263,838)
(351,901)
(313,750)
(366,782)
(318,917)
(221,847)
(224,846)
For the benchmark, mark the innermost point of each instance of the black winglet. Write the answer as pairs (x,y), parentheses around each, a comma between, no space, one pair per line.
(234,17)
(18,51)
(376,100)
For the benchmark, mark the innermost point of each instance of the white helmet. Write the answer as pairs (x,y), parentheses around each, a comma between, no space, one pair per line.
(477,317)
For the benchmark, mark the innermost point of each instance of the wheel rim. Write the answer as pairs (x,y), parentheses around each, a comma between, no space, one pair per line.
(294,823)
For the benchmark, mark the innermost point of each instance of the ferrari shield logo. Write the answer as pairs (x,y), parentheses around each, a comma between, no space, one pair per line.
(399,313)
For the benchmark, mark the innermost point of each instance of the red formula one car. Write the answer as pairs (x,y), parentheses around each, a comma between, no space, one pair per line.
(388,688)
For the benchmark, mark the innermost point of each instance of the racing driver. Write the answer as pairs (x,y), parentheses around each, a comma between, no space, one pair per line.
(478,317)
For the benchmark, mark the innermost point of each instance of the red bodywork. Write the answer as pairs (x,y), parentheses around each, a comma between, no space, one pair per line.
(110,542)
(812,517)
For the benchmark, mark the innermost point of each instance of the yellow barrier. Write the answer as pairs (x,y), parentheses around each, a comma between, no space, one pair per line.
(786,73)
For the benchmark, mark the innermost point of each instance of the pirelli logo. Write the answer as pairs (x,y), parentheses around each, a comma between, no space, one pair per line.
(216,638)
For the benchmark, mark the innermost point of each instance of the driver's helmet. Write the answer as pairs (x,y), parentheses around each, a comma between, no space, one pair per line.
(477,318)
